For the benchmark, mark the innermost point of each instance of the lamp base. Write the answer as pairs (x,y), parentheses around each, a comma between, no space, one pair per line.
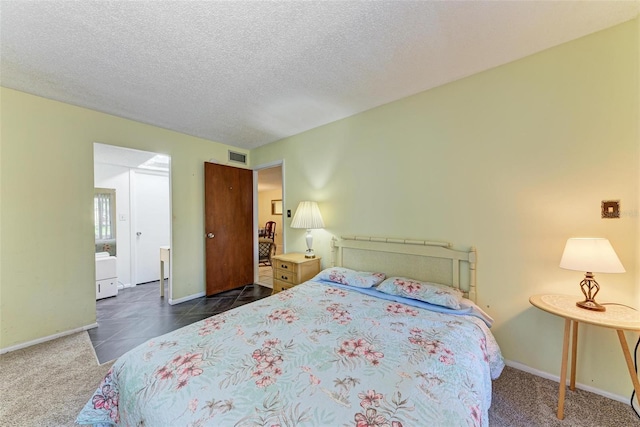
(309,253)
(591,305)
(590,288)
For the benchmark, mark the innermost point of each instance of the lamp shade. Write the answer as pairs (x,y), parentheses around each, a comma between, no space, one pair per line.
(307,216)
(595,255)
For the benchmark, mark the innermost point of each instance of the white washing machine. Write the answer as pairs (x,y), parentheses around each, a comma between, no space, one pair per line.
(106,275)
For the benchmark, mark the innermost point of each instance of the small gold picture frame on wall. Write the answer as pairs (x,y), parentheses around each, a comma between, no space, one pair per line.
(276,207)
(611,209)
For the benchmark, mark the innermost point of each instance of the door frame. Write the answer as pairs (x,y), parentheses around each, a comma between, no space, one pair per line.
(256,169)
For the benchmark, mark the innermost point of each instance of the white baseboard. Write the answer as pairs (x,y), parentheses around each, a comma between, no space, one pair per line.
(48,338)
(525,368)
(187,298)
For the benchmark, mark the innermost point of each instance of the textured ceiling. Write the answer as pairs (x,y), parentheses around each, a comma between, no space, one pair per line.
(249,73)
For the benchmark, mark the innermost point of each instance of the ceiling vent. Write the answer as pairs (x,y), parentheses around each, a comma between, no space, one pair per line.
(237,157)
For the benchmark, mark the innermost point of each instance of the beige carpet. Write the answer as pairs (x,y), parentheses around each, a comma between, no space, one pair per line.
(522,399)
(49,383)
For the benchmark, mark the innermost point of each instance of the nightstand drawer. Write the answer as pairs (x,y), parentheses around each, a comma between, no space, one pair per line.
(284,276)
(285,265)
(279,286)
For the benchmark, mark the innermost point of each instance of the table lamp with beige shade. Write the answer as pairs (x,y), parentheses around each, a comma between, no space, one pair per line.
(591,255)
(308,216)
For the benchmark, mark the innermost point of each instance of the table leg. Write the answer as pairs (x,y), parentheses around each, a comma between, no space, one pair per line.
(161,279)
(574,356)
(627,357)
(563,369)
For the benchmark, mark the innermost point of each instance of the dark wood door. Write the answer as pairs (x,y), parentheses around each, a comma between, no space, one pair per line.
(228,202)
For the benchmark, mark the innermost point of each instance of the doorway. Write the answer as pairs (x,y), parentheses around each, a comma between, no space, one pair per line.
(141,181)
(269,208)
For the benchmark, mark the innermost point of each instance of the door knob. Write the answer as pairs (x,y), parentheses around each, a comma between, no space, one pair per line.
(210,235)
(139,233)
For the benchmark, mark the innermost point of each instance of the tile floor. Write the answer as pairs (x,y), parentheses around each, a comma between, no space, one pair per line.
(265,276)
(138,314)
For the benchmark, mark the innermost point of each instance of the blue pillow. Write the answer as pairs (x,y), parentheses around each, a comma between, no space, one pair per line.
(433,293)
(346,276)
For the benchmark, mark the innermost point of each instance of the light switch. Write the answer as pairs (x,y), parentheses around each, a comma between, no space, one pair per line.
(122,217)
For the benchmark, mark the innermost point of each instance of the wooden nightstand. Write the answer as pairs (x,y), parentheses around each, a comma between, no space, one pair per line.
(616,317)
(292,269)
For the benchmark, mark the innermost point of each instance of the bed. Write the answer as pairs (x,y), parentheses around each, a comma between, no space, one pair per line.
(332,351)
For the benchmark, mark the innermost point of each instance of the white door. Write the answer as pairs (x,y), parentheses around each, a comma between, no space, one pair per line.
(151,226)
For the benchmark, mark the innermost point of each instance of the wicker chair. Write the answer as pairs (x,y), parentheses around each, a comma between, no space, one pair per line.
(270,230)
(266,249)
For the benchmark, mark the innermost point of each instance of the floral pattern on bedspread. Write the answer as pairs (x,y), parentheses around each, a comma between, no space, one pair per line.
(314,355)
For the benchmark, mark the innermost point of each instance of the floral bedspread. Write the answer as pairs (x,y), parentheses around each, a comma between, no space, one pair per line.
(315,355)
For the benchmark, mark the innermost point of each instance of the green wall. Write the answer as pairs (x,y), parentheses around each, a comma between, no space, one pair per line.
(47,283)
(514,161)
